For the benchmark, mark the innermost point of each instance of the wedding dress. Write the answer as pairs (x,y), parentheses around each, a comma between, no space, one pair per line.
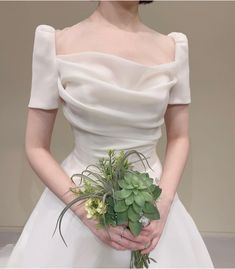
(110,102)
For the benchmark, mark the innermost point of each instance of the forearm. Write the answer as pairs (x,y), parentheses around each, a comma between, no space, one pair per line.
(174,162)
(53,176)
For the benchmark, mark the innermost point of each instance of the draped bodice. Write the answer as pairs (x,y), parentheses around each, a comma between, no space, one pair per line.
(109,101)
(113,103)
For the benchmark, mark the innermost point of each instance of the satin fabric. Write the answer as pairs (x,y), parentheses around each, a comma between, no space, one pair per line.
(110,102)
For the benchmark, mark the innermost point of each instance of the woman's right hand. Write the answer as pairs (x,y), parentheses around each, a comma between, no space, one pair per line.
(112,234)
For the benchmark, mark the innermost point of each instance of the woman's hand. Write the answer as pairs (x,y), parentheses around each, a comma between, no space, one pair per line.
(118,237)
(155,228)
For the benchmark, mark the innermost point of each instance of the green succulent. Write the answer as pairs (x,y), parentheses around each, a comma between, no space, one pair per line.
(115,194)
(136,198)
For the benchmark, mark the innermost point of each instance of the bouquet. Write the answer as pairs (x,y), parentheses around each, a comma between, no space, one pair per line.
(116,194)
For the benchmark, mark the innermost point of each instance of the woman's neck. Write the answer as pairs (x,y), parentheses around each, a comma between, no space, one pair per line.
(122,15)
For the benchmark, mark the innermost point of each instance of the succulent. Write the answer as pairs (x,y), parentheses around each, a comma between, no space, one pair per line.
(135,199)
(116,194)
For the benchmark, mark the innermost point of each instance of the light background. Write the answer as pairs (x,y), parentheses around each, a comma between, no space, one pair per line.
(208,183)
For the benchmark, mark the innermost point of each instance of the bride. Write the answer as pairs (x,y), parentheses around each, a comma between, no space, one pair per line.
(118,81)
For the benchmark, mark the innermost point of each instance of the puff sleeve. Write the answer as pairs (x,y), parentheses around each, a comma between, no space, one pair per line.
(44,89)
(180,93)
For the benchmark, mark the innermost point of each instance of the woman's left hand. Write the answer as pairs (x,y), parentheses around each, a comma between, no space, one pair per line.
(155,228)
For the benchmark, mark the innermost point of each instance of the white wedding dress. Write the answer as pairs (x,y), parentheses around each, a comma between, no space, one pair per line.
(110,102)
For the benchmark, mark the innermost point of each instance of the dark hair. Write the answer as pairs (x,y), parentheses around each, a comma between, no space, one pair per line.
(145,2)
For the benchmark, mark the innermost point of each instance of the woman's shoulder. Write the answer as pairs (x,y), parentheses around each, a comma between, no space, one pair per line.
(49,32)
(178,36)
(51,29)
(64,37)
(163,42)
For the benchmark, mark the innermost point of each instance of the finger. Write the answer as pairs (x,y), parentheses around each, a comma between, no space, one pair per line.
(148,231)
(151,246)
(145,232)
(128,235)
(123,231)
(126,243)
(149,227)
(117,246)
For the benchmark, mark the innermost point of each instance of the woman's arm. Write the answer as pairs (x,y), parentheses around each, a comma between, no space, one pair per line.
(40,124)
(39,129)
(177,148)
(176,120)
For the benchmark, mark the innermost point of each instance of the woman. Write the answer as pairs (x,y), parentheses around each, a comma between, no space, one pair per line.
(117,80)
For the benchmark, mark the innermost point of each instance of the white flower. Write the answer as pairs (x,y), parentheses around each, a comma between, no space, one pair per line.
(144,221)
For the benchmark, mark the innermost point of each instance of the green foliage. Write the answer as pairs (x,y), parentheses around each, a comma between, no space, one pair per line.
(132,215)
(149,208)
(137,208)
(130,199)
(136,197)
(124,193)
(122,217)
(116,195)
(120,206)
(135,227)
(156,192)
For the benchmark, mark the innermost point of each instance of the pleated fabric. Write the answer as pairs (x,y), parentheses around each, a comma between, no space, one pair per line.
(110,102)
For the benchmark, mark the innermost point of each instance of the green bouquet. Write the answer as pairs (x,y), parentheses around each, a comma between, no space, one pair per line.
(115,195)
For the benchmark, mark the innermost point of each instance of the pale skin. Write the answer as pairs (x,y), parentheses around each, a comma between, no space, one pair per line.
(109,19)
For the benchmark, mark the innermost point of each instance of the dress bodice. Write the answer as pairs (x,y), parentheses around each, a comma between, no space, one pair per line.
(110,101)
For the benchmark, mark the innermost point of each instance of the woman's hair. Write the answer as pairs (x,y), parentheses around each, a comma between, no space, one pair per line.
(145,2)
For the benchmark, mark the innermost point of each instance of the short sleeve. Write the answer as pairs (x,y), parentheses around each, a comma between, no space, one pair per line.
(44,88)
(180,93)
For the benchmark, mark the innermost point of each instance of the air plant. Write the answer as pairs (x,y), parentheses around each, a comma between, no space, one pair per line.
(115,194)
